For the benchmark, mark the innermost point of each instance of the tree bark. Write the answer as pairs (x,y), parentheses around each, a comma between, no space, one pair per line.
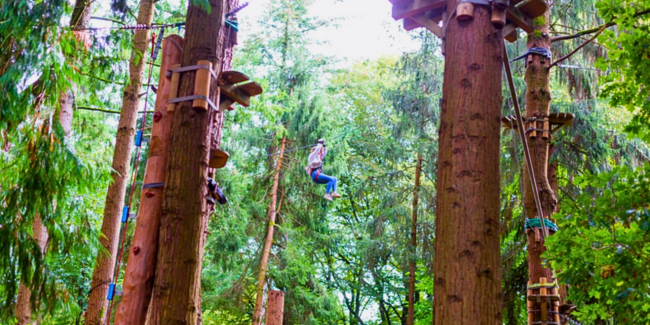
(104,265)
(538,103)
(275,306)
(271,213)
(139,274)
(467,249)
(184,202)
(227,47)
(410,318)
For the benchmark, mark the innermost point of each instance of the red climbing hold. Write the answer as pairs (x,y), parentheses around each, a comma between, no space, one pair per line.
(157,116)
(149,194)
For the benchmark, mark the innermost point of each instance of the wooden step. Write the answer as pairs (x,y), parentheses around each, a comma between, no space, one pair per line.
(218,158)
(233,77)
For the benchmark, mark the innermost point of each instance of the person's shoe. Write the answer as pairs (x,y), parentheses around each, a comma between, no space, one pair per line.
(336,195)
(328,197)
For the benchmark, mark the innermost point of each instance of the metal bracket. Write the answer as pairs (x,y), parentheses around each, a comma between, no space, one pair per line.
(152,185)
(192,68)
(193,97)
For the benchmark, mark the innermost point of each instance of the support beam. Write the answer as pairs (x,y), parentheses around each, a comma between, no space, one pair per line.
(416,7)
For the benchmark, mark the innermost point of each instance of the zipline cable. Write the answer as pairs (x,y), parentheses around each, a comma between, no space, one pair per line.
(309,146)
(524,140)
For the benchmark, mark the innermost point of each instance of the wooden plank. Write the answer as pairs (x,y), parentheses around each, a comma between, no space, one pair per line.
(561,118)
(416,7)
(510,33)
(522,21)
(236,94)
(233,77)
(533,8)
(410,24)
(251,88)
(429,24)
(218,158)
(397,2)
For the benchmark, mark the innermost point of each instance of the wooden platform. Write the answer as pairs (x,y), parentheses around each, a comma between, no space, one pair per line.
(218,158)
(558,120)
(236,87)
(430,13)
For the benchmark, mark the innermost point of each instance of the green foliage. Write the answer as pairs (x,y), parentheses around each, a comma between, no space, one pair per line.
(601,249)
(628,60)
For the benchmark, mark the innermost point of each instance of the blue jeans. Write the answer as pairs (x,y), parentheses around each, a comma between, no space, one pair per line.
(324,179)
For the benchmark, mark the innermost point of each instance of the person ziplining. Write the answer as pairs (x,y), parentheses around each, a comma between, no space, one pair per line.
(315,170)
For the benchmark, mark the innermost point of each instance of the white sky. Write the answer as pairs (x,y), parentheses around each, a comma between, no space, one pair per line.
(364,28)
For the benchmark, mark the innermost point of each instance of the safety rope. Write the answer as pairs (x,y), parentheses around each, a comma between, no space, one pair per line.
(155,46)
(134,27)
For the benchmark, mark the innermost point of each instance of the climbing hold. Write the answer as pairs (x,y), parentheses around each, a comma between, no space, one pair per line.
(157,116)
(149,194)
(136,250)
(138,138)
(125,214)
(218,158)
(111,291)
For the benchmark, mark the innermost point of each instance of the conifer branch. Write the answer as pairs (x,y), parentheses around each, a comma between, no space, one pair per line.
(595,29)
(579,47)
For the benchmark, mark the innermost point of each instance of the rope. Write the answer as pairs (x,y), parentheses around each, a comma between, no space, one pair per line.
(524,139)
(134,27)
(116,271)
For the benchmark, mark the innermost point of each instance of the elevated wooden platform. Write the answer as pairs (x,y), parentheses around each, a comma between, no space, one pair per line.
(429,14)
(557,120)
(236,87)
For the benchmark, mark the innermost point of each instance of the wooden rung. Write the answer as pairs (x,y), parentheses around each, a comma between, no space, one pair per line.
(415,7)
(202,82)
(173,88)
(498,18)
(533,8)
(232,77)
(218,158)
(464,11)
(546,126)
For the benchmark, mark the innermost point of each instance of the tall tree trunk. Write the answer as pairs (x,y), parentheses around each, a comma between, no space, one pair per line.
(467,266)
(275,307)
(227,47)
(63,114)
(271,213)
(538,103)
(414,243)
(104,265)
(139,274)
(184,202)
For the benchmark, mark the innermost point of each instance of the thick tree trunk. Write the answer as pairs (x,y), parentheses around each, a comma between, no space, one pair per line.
(271,213)
(227,47)
(467,264)
(410,318)
(139,275)
(275,306)
(104,265)
(64,115)
(538,103)
(184,202)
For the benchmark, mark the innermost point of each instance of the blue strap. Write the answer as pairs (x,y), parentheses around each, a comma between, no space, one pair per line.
(125,214)
(111,291)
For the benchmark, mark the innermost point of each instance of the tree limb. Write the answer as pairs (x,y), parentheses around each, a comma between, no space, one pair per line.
(579,47)
(595,29)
